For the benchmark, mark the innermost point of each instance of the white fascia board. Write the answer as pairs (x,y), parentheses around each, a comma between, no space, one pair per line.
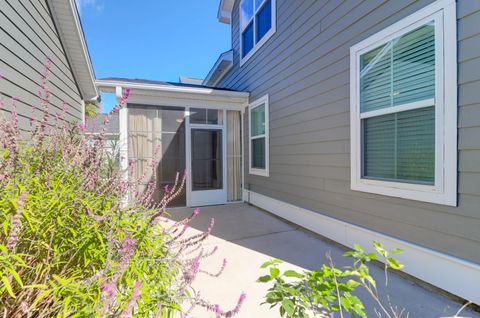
(226,57)
(109,86)
(225,9)
(67,21)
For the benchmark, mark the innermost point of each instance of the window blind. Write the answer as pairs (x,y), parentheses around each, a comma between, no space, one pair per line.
(400,72)
(400,146)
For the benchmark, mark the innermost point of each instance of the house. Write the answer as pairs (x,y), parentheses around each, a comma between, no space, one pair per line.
(358,120)
(32,32)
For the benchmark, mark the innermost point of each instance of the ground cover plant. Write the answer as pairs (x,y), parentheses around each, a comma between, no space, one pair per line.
(77,239)
(332,291)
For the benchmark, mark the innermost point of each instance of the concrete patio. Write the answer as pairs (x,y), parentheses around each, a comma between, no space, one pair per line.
(247,237)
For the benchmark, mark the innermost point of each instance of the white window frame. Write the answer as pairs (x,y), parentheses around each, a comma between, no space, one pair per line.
(268,35)
(444,191)
(264,100)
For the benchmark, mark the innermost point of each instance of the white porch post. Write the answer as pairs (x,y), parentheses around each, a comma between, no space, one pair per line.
(123,138)
(188,156)
(242,138)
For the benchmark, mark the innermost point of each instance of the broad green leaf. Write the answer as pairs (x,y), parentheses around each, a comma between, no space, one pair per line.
(264,279)
(380,249)
(270,263)
(358,247)
(397,251)
(274,272)
(288,306)
(394,263)
(292,273)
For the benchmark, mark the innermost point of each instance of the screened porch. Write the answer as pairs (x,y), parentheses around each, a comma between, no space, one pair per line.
(183,128)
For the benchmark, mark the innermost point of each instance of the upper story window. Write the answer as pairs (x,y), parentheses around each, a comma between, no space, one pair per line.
(257,25)
(404,108)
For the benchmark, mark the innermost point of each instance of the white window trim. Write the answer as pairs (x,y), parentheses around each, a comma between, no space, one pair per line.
(255,171)
(445,189)
(268,35)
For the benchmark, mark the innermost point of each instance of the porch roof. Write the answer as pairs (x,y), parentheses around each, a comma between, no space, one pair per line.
(174,94)
(161,85)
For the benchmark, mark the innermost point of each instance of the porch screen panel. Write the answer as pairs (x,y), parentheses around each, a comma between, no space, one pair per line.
(234,156)
(156,133)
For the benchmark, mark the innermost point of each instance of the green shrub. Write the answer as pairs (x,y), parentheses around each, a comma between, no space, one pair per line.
(72,245)
(331,289)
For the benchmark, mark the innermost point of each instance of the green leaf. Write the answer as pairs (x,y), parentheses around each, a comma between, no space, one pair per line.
(61,280)
(380,249)
(292,273)
(352,284)
(66,305)
(41,286)
(394,263)
(264,279)
(397,251)
(289,307)
(270,263)
(5,228)
(40,297)
(8,286)
(274,272)
(3,249)
(358,247)
(15,275)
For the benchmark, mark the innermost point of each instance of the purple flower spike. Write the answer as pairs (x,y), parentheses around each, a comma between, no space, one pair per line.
(217,310)
(242,298)
(126,93)
(196,212)
(81,126)
(166,189)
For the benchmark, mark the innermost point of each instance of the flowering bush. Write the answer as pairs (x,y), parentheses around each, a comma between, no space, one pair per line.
(71,244)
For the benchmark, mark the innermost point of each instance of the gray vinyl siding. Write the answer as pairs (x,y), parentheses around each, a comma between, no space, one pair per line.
(27,37)
(304,68)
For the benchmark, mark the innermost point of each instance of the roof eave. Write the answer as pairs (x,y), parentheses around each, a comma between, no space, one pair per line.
(225,9)
(225,60)
(69,27)
(109,86)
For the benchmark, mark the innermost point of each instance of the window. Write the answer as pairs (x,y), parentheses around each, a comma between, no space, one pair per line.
(206,116)
(403,108)
(259,132)
(257,25)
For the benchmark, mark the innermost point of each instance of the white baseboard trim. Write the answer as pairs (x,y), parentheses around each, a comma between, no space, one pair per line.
(457,276)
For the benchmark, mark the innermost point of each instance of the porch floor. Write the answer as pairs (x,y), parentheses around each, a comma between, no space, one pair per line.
(248,236)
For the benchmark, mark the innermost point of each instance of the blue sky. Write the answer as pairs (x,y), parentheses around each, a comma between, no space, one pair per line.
(152,39)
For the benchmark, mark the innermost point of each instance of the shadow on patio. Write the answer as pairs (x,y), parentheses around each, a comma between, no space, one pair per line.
(248,236)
